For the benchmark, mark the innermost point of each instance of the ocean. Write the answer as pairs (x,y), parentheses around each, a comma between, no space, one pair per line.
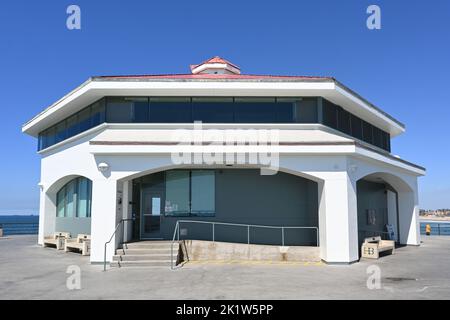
(12,225)
(29,225)
(438,228)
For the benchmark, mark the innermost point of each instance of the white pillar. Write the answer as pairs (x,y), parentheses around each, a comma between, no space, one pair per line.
(127,209)
(47,215)
(103,219)
(392,211)
(338,221)
(408,207)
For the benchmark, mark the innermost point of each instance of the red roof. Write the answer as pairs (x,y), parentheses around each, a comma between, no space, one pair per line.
(217,76)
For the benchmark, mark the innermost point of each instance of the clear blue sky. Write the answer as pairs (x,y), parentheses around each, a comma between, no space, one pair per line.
(402,68)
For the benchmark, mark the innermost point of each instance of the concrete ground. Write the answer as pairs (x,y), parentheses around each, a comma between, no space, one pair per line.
(28,271)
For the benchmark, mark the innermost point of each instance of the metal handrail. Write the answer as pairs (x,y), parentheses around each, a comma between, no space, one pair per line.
(176,232)
(110,239)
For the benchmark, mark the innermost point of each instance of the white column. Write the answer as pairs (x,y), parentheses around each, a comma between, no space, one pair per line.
(47,215)
(338,222)
(127,209)
(103,218)
(408,207)
(392,211)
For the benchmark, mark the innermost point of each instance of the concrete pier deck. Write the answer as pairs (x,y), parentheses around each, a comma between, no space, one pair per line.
(28,271)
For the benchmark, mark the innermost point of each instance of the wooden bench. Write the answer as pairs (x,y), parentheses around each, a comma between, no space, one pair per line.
(373,246)
(81,244)
(57,240)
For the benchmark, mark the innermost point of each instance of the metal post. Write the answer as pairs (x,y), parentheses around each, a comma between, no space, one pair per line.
(213,231)
(248,234)
(282,236)
(171,256)
(104,259)
(178,231)
(439,229)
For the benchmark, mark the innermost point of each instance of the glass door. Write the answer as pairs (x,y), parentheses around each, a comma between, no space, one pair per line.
(151,214)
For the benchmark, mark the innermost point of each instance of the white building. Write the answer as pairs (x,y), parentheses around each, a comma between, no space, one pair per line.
(109,148)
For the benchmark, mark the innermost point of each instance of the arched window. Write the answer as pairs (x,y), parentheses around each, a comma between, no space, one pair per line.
(74,199)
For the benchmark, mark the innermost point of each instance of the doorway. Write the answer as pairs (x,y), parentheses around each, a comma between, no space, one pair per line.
(151,208)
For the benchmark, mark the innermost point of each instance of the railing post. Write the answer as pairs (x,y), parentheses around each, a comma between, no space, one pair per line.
(439,229)
(317,237)
(214,225)
(178,231)
(248,234)
(104,259)
(282,236)
(171,255)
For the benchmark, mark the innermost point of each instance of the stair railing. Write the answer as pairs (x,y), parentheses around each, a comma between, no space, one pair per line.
(176,232)
(121,223)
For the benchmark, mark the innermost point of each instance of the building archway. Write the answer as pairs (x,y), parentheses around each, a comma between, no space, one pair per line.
(67,206)
(284,199)
(386,203)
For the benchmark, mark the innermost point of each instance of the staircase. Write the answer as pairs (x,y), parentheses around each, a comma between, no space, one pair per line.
(145,254)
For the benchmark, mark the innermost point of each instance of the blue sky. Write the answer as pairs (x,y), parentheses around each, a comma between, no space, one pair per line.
(402,68)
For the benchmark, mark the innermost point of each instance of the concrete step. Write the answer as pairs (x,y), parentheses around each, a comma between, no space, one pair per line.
(141,263)
(145,254)
(143,257)
(147,251)
(151,245)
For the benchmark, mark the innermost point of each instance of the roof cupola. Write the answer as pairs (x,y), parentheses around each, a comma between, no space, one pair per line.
(215,65)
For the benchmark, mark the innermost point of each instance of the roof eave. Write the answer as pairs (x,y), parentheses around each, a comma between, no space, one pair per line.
(396,126)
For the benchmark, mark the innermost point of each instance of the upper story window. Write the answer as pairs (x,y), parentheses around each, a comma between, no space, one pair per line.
(215,110)
(87,118)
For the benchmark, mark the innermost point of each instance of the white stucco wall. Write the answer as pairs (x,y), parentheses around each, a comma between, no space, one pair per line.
(335,168)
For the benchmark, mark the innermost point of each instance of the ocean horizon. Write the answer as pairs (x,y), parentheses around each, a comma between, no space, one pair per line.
(19,224)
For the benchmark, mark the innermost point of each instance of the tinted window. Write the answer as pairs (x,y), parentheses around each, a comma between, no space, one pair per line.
(119,110)
(307,111)
(84,119)
(377,137)
(367,132)
(140,110)
(356,127)
(255,110)
(213,110)
(285,112)
(177,192)
(329,114)
(61,132)
(51,139)
(72,126)
(171,110)
(190,192)
(74,199)
(388,142)
(98,112)
(203,194)
(343,121)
